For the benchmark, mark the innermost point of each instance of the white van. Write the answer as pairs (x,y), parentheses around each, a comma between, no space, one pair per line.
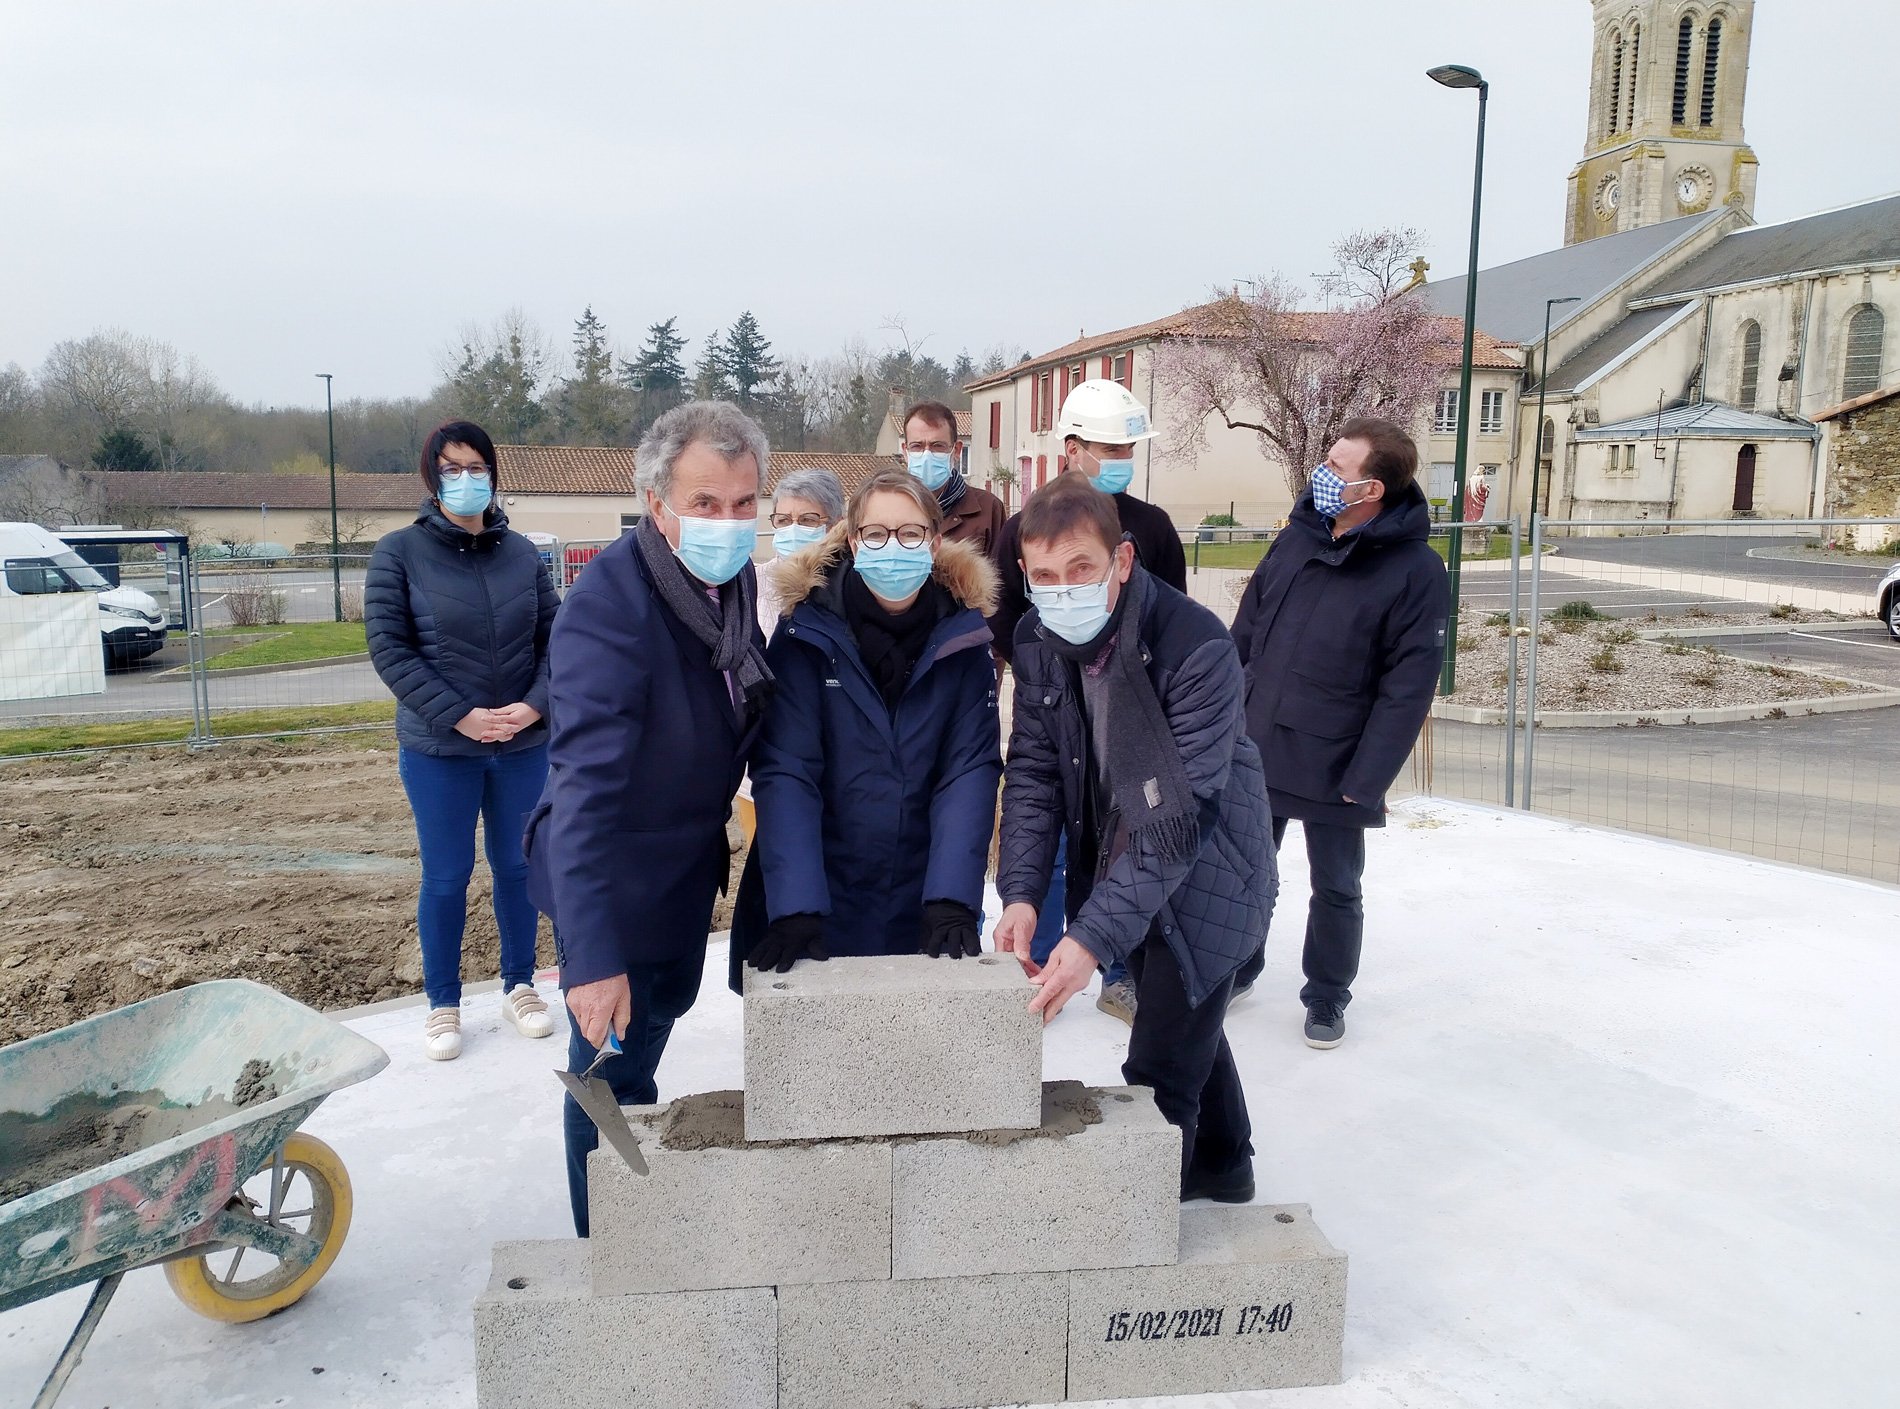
(33,562)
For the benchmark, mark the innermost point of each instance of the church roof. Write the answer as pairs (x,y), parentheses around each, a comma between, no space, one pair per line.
(1615,345)
(1867,233)
(1702,420)
(1511,296)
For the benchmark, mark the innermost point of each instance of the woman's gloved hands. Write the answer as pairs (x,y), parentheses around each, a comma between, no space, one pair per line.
(788,940)
(949,930)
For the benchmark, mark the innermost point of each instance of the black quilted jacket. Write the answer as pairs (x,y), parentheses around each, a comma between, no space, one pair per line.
(456,621)
(1211,911)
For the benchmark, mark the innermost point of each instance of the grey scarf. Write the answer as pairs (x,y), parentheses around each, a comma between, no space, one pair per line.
(725,629)
(1147,782)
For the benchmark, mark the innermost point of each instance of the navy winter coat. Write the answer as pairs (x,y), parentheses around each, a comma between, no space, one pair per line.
(459,621)
(627,847)
(1342,640)
(1212,909)
(865,812)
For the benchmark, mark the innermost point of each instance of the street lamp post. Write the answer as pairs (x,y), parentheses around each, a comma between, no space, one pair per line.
(336,561)
(1543,380)
(1459,76)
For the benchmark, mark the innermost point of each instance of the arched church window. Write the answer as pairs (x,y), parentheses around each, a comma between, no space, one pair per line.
(1685,41)
(1866,330)
(1711,64)
(1616,82)
(1751,365)
(1629,88)
(1547,443)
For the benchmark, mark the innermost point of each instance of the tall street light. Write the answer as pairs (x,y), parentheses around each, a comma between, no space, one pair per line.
(1543,380)
(1459,76)
(336,562)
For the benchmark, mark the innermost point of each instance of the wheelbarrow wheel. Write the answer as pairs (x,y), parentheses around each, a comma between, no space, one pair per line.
(305,1189)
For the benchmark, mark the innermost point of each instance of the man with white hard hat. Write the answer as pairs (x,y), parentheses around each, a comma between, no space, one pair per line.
(1101,424)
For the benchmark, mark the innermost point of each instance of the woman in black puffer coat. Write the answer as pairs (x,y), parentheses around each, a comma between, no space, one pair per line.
(458,611)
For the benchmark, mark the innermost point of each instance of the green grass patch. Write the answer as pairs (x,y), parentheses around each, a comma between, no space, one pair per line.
(1247,554)
(52,738)
(292,643)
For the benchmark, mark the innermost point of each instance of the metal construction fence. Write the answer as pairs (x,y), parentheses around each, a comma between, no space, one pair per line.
(1728,683)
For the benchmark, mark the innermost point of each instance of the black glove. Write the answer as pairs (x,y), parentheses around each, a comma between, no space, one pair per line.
(788,940)
(949,930)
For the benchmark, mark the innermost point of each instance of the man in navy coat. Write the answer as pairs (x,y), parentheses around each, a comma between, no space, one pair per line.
(1341,632)
(657,676)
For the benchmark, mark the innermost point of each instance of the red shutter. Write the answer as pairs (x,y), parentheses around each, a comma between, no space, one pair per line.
(1035,404)
(996,425)
(1042,470)
(1108,368)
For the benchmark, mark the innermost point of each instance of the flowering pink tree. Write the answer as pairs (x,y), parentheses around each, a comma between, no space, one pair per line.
(1256,361)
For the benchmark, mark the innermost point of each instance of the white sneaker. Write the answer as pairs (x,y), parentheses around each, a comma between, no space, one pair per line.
(442,1034)
(526,1010)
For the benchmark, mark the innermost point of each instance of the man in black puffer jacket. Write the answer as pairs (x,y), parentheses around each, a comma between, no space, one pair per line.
(1342,631)
(1129,739)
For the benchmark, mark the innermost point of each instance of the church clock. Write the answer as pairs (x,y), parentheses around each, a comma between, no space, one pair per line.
(1695,187)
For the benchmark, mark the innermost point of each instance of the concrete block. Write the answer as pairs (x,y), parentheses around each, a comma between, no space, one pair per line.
(923,1344)
(540,1332)
(1104,1172)
(905,1045)
(718,1212)
(1258,1301)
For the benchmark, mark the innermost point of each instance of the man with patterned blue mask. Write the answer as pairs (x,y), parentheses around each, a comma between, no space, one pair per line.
(657,681)
(933,453)
(1129,743)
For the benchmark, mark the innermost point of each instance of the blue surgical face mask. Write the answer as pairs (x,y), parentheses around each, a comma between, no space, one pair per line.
(893,572)
(714,550)
(464,494)
(1329,492)
(792,537)
(1076,614)
(1113,476)
(932,467)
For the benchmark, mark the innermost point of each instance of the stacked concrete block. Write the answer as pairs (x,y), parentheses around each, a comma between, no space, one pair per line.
(906,1045)
(850,1232)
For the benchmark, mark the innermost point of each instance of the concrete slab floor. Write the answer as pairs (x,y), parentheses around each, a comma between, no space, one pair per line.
(1612,1126)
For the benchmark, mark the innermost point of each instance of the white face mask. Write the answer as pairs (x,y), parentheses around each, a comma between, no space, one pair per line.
(1076,614)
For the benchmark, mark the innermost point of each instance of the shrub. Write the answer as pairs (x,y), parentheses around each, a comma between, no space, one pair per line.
(252,601)
(352,603)
(1784,611)
(1467,643)
(1498,619)
(1220,521)
(1578,611)
(1618,635)
(1606,661)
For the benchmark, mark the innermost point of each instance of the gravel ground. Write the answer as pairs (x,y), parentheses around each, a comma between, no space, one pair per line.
(1609,665)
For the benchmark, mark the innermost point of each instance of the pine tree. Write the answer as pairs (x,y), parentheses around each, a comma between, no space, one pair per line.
(711,379)
(593,409)
(657,366)
(747,359)
(122,449)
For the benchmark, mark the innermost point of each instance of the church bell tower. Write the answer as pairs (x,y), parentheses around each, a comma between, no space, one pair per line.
(1667,79)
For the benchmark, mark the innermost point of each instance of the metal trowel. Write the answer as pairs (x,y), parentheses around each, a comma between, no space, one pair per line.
(597,1098)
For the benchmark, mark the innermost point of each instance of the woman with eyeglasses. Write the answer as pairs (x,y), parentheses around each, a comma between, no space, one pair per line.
(877,765)
(805,507)
(458,609)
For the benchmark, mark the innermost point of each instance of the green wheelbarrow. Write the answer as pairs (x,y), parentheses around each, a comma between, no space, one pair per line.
(166,1132)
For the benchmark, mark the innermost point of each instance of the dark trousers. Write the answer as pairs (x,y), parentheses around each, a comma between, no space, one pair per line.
(1335,914)
(661,995)
(447,795)
(1183,1054)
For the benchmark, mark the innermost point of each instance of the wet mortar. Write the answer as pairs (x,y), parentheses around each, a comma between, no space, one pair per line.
(715,1120)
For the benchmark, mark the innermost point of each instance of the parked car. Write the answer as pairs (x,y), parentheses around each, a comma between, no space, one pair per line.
(1887,602)
(33,562)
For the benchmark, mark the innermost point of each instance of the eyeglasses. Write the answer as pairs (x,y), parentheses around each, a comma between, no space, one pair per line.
(800,521)
(911,535)
(1052,593)
(448,471)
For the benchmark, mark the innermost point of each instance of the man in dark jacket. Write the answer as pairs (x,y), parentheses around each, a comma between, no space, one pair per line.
(1342,632)
(657,679)
(1101,424)
(1129,740)
(970,514)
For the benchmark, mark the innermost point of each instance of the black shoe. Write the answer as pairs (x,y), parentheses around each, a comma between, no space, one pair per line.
(1325,1025)
(1236,1188)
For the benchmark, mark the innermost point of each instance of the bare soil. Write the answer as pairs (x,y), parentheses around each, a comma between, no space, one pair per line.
(292,863)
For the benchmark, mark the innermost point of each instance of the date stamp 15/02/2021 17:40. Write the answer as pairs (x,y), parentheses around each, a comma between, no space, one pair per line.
(1203,1321)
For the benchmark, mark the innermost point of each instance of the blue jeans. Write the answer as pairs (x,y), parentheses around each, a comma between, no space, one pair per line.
(1051,921)
(447,795)
(661,995)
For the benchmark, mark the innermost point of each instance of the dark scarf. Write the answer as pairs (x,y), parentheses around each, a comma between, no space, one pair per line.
(951,492)
(891,643)
(725,629)
(1140,760)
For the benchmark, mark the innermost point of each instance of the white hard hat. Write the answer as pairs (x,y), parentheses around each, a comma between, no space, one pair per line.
(1105,413)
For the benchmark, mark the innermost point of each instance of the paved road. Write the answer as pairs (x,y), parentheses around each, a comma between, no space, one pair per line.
(1480,594)
(1858,653)
(1731,555)
(164,694)
(1822,792)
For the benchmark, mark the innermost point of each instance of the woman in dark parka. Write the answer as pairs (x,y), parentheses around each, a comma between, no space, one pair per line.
(877,766)
(458,609)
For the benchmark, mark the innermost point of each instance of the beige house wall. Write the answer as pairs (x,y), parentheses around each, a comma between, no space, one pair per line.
(1694,476)
(288,527)
(570,517)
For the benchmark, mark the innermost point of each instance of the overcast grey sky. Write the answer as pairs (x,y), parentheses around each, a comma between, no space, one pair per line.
(292,187)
